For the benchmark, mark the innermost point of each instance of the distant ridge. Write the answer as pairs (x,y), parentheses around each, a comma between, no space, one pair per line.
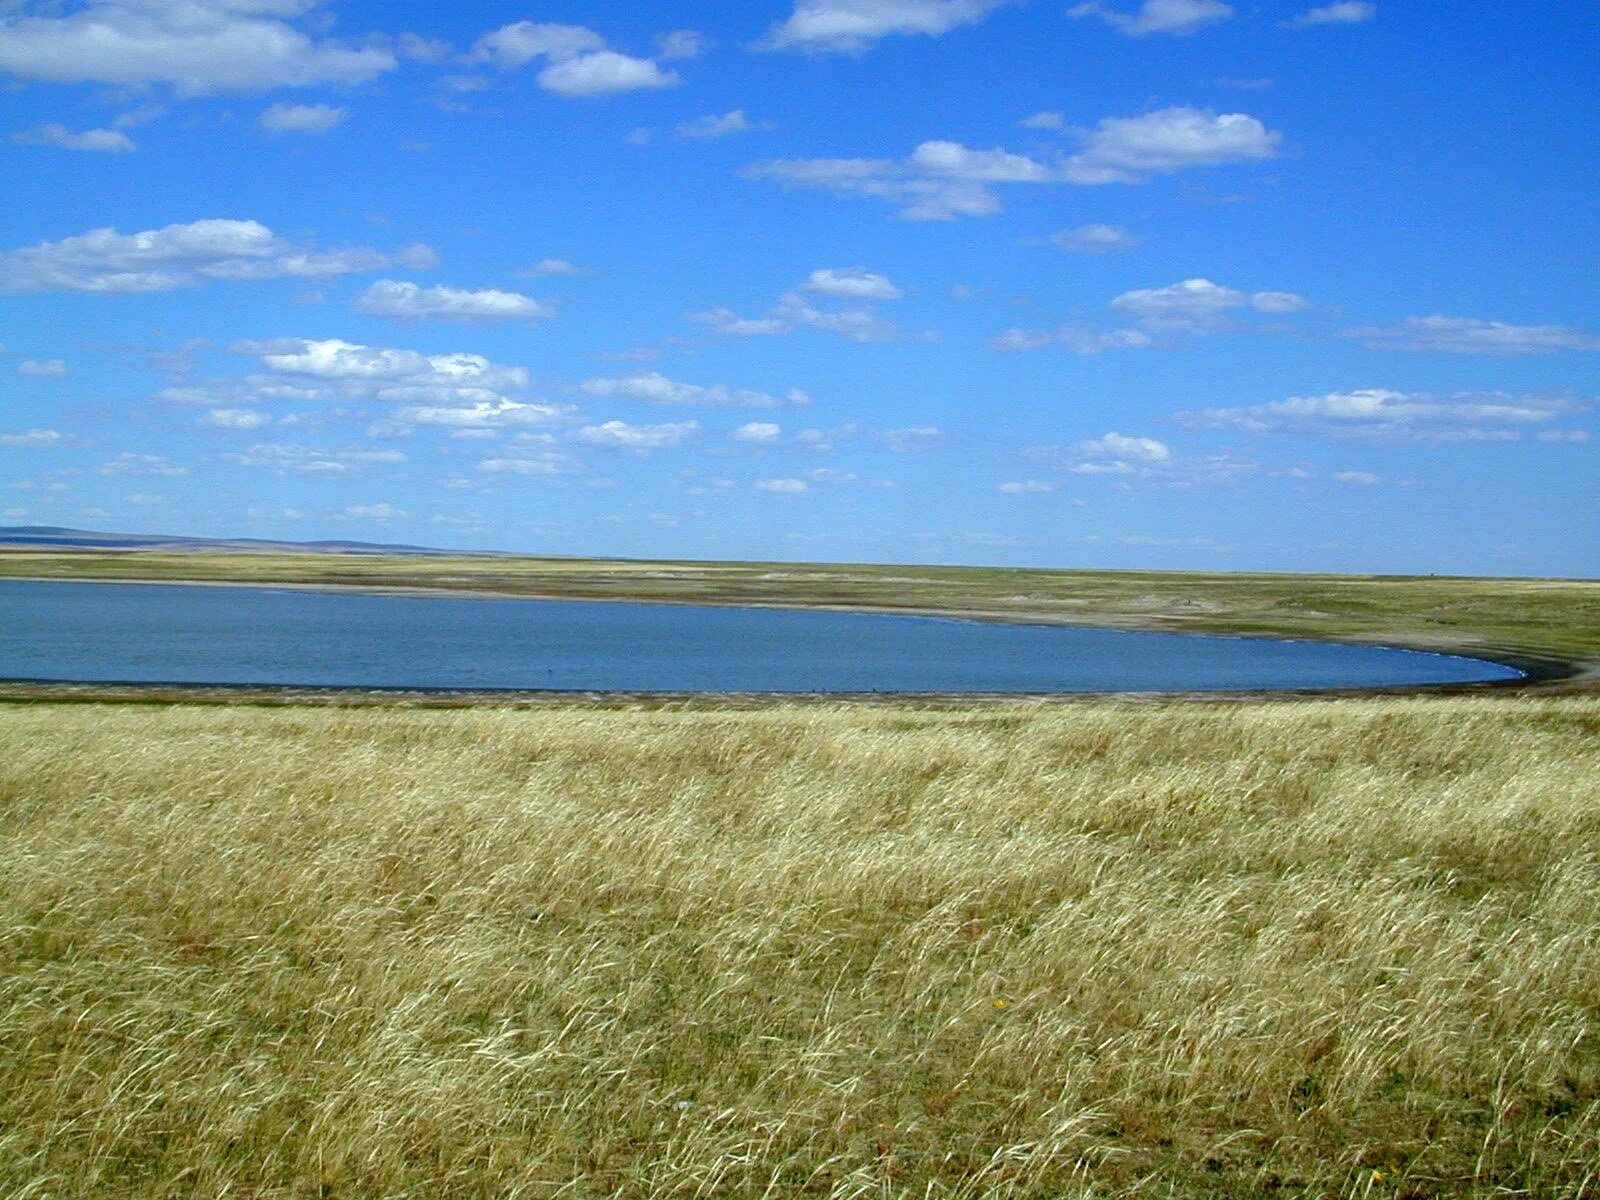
(61,538)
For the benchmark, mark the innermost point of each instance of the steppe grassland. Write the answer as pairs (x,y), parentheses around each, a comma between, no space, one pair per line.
(1343,948)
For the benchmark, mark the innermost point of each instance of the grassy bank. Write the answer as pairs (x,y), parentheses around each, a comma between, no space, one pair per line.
(1552,620)
(1348,948)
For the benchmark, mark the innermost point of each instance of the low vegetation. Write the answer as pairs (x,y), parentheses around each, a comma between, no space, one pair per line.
(1301,949)
(1552,619)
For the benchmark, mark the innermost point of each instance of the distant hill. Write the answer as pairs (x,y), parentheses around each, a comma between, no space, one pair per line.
(59,538)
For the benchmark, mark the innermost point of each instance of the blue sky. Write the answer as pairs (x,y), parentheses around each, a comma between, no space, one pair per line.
(1180,283)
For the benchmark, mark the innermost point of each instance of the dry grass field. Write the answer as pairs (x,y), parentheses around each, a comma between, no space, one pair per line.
(1282,949)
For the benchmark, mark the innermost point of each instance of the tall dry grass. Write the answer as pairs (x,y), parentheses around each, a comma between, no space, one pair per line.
(1349,948)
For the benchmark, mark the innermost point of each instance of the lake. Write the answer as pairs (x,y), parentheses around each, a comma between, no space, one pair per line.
(170,633)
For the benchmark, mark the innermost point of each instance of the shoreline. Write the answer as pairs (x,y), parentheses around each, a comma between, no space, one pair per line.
(1539,675)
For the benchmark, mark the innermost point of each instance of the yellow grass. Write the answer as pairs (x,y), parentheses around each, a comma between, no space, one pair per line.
(1346,948)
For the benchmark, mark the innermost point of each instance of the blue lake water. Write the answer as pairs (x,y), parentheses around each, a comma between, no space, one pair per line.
(164,633)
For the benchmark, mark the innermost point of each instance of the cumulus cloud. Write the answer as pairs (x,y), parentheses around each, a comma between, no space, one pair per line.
(1080,341)
(1467,335)
(35,439)
(1381,413)
(577,60)
(233,418)
(1195,305)
(48,367)
(160,260)
(302,118)
(1115,446)
(680,44)
(552,266)
(288,458)
(762,432)
(712,126)
(1024,487)
(373,512)
(1362,478)
(409,302)
(654,388)
(620,435)
(195,46)
(794,312)
(914,439)
(142,464)
(944,180)
(1179,18)
(543,464)
(112,141)
(852,283)
(459,392)
(1350,12)
(783,487)
(1131,149)
(851,26)
(1093,239)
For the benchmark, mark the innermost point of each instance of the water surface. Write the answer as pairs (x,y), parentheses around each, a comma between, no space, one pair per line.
(168,633)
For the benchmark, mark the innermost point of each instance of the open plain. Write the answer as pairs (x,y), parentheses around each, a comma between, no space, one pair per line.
(1299,947)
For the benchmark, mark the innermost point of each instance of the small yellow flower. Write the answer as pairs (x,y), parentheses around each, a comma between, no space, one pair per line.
(999,1003)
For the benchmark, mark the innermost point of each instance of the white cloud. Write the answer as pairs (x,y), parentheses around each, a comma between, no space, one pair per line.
(302,118)
(233,418)
(454,391)
(921,197)
(680,44)
(1096,239)
(603,73)
(851,26)
(728,323)
(944,180)
(288,458)
(1179,18)
(160,260)
(552,266)
(1350,12)
(59,136)
(34,439)
(409,302)
(1079,341)
(853,324)
(1026,487)
(652,387)
(1194,305)
(516,45)
(195,46)
(142,464)
(952,160)
(712,126)
(373,512)
(1385,414)
(783,487)
(1116,446)
(1568,436)
(483,415)
(1467,335)
(1044,120)
(1130,149)
(49,367)
(334,359)
(913,440)
(623,436)
(577,62)
(852,283)
(1361,478)
(758,431)
(545,464)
